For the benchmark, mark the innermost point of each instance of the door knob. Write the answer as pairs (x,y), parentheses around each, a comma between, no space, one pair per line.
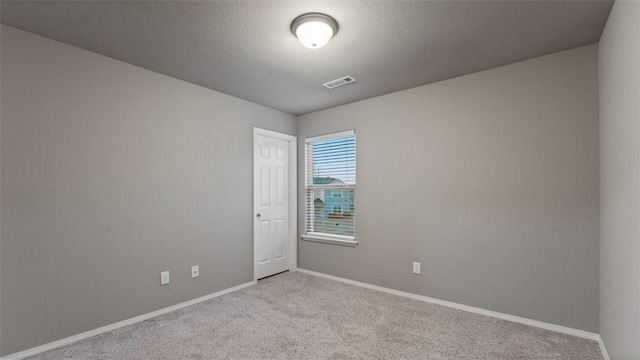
(258,215)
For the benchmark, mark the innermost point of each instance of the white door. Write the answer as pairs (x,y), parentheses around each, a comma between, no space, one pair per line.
(271,204)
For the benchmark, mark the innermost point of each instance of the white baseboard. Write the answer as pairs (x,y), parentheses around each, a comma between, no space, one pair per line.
(471,309)
(107,328)
(603,350)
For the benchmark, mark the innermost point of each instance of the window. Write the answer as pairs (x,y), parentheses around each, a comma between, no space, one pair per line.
(330,188)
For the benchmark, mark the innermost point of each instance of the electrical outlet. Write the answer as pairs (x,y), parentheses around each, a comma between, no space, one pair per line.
(164,278)
(416,268)
(195,271)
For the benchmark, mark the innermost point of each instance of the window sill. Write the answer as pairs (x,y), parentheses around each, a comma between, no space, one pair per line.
(331,239)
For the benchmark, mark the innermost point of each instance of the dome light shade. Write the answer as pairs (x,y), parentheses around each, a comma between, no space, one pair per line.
(314,30)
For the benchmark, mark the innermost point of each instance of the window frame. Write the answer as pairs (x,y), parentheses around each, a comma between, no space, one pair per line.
(321,237)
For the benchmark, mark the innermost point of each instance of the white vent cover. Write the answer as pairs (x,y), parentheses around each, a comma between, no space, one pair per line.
(339,82)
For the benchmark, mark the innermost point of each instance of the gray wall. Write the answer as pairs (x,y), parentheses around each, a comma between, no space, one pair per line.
(489,180)
(111,174)
(620,182)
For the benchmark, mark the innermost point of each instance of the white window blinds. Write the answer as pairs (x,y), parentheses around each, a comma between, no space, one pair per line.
(331,185)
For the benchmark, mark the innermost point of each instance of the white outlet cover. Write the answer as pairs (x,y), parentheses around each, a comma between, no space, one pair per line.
(195,271)
(416,268)
(164,278)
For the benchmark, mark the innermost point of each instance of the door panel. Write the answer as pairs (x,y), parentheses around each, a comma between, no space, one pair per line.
(265,188)
(280,189)
(281,235)
(265,230)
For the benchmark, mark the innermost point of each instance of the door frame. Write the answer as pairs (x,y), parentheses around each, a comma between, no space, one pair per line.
(293,197)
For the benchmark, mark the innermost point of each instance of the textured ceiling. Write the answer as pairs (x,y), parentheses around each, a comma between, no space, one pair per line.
(246,49)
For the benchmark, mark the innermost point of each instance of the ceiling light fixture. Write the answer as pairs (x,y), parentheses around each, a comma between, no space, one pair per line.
(314,30)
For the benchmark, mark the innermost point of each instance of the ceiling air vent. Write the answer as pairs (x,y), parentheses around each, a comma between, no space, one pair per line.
(339,82)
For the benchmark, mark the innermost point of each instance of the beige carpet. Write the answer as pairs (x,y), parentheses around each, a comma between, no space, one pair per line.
(299,316)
